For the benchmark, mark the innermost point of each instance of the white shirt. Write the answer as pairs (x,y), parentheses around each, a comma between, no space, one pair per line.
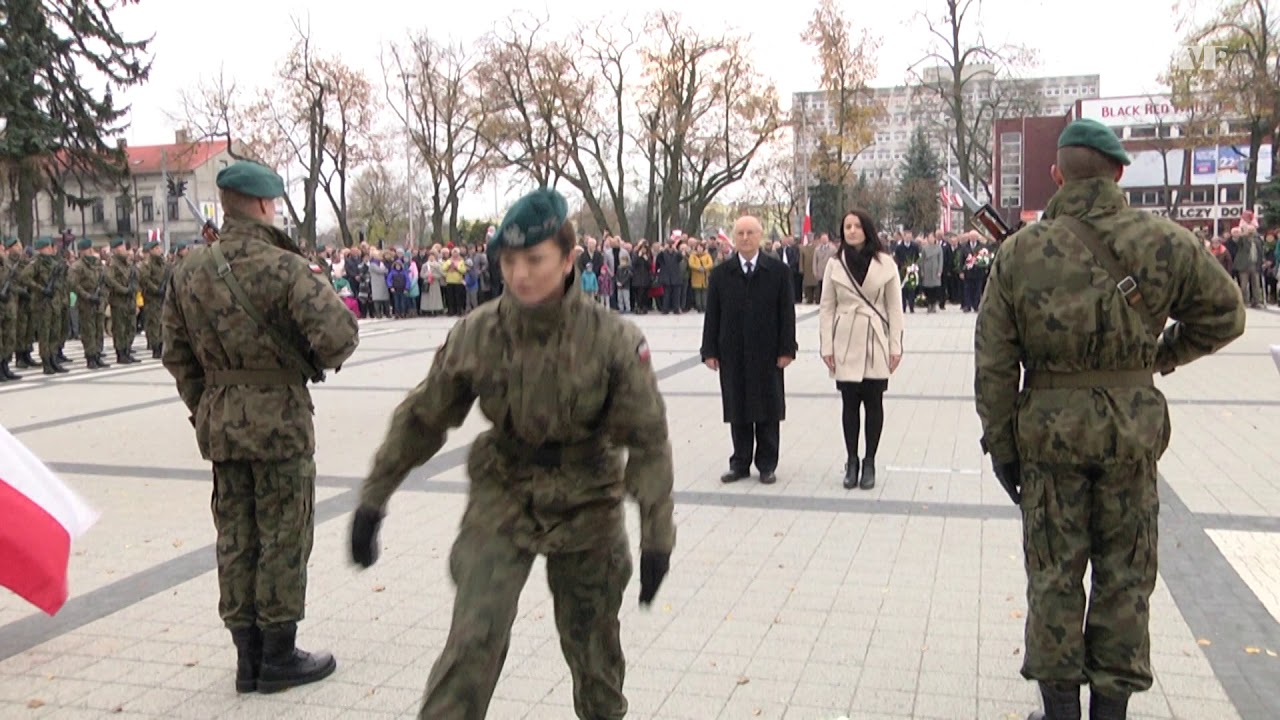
(752,260)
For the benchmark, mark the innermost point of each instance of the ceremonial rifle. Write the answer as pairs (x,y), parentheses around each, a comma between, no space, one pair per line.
(209,231)
(983,213)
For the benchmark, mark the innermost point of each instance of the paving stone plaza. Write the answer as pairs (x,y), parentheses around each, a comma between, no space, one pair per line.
(796,600)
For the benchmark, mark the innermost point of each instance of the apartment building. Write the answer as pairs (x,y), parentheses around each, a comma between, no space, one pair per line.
(907,107)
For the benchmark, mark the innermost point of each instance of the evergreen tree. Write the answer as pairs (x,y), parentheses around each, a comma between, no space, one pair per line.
(915,205)
(54,55)
(1269,199)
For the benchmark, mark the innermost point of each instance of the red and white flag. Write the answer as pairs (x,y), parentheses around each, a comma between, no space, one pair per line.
(807,226)
(41,516)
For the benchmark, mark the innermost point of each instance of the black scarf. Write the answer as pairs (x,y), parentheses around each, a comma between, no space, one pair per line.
(857,260)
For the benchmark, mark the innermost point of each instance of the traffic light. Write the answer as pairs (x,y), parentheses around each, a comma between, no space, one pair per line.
(173,190)
(176,188)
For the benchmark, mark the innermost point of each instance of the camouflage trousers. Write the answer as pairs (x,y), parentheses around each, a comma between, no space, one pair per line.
(26,325)
(93,327)
(123,326)
(1105,517)
(490,571)
(264,513)
(8,327)
(48,333)
(151,321)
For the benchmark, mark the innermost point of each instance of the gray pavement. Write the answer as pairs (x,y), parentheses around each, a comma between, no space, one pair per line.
(798,600)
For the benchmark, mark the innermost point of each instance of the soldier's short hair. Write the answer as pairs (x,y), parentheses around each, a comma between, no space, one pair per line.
(232,200)
(1077,162)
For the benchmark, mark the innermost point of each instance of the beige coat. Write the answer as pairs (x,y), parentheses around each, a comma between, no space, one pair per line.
(851,330)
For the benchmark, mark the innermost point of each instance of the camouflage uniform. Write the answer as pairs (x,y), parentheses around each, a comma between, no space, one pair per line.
(46,281)
(88,281)
(567,386)
(122,286)
(252,417)
(10,288)
(1089,425)
(25,326)
(153,276)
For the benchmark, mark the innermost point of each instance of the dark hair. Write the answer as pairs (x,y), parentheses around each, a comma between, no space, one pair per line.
(872,246)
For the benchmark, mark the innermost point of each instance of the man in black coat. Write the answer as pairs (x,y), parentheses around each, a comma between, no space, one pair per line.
(749,337)
(791,256)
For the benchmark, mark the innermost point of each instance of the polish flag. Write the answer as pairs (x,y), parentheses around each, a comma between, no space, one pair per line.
(808,221)
(41,517)
(721,236)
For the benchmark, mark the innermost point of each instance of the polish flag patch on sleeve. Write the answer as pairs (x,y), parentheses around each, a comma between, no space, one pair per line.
(642,351)
(315,268)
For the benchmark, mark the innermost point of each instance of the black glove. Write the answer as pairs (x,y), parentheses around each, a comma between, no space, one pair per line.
(1010,477)
(653,568)
(364,536)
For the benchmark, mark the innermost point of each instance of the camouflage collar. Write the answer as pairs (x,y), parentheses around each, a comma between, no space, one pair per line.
(541,320)
(237,224)
(1092,197)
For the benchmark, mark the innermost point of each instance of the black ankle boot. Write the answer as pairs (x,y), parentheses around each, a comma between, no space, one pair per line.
(1107,707)
(60,357)
(25,360)
(46,365)
(1061,702)
(285,666)
(868,474)
(851,474)
(248,658)
(8,374)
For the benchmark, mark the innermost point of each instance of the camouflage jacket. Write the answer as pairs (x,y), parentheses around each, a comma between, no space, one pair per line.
(11,283)
(88,280)
(120,275)
(1050,306)
(205,330)
(46,273)
(151,277)
(569,372)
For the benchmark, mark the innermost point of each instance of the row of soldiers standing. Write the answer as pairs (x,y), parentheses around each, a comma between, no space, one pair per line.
(35,302)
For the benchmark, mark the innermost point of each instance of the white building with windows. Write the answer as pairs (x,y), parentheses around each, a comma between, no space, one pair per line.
(907,107)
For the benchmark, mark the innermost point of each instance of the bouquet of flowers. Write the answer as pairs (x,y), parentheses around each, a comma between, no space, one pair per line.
(911,279)
(983,258)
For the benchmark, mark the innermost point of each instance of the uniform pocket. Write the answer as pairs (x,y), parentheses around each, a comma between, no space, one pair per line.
(1036,547)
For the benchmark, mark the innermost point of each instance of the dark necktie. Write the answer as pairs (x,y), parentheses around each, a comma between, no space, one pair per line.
(748,269)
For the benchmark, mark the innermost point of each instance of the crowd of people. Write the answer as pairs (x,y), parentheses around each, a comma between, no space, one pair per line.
(1251,258)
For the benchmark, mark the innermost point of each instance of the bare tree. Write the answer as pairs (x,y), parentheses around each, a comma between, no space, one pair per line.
(379,204)
(1247,34)
(215,109)
(350,136)
(437,97)
(707,114)
(964,77)
(777,188)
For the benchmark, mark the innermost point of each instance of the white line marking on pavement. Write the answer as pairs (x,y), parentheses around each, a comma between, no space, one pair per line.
(113,371)
(934,471)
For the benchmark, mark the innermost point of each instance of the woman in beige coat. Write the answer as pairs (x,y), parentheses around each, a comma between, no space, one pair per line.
(861,335)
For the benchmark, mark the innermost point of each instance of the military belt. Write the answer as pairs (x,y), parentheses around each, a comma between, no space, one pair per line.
(254,377)
(1084,379)
(550,454)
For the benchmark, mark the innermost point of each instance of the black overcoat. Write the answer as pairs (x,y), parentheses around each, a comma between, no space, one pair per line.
(749,324)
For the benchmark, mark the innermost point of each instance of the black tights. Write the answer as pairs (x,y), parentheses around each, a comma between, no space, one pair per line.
(872,398)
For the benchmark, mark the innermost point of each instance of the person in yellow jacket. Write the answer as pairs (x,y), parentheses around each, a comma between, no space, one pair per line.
(700,262)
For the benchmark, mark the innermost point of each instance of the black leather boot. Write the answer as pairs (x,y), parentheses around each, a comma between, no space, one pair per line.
(285,666)
(46,365)
(101,364)
(868,474)
(1061,702)
(156,351)
(6,372)
(851,474)
(248,658)
(25,360)
(123,358)
(61,357)
(1107,707)
(91,362)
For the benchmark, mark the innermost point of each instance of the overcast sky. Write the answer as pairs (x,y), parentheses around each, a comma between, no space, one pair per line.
(1127,42)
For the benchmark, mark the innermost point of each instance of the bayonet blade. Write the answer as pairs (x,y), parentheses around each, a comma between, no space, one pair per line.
(966,197)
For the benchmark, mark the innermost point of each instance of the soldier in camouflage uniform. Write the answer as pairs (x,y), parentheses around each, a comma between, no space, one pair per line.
(1079,443)
(88,281)
(153,276)
(10,288)
(62,308)
(122,288)
(252,412)
(25,331)
(567,385)
(46,282)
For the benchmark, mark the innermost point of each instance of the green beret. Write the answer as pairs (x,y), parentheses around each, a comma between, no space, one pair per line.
(179,247)
(43,243)
(116,242)
(10,242)
(534,218)
(150,245)
(251,179)
(1095,135)
(84,244)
